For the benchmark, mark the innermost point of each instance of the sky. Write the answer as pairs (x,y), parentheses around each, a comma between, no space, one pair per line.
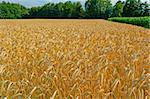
(31,3)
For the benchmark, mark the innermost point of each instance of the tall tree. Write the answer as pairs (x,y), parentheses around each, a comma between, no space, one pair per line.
(118,9)
(12,11)
(91,8)
(48,10)
(68,8)
(59,9)
(132,8)
(78,11)
(34,12)
(98,8)
(146,9)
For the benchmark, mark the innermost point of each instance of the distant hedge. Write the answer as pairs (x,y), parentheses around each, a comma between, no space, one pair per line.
(140,21)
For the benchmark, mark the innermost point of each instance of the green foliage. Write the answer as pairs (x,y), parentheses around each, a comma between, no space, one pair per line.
(140,21)
(92,9)
(118,9)
(58,10)
(78,11)
(34,11)
(135,8)
(98,8)
(146,8)
(12,11)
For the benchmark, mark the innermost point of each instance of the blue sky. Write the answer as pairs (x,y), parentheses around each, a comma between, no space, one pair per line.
(30,3)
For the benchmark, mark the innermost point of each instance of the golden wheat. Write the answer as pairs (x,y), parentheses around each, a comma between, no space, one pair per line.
(77,59)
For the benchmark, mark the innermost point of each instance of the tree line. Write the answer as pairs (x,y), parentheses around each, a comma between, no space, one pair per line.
(91,9)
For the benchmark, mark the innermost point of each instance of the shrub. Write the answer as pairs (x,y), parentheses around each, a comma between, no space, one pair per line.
(140,21)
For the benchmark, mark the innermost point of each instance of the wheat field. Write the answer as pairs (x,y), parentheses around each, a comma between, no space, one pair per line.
(73,59)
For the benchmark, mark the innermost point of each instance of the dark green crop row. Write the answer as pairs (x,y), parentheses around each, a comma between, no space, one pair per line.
(140,21)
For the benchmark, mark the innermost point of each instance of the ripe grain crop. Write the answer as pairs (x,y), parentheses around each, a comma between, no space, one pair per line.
(73,59)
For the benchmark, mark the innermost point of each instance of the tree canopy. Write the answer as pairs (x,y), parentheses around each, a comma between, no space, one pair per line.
(118,9)
(12,11)
(135,8)
(68,9)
